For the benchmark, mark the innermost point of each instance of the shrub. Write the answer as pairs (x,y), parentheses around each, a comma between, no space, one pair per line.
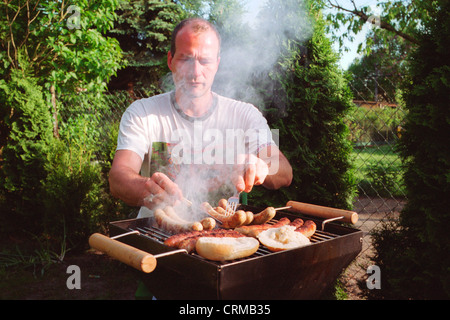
(27,140)
(423,263)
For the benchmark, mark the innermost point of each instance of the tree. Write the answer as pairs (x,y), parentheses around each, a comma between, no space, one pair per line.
(64,44)
(401,18)
(143,29)
(377,75)
(414,253)
(46,48)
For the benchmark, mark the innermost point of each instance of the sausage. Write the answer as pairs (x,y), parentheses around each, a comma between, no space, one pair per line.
(208,223)
(223,203)
(264,216)
(232,221)
(189,243)
(307,229)
(174,226)
(187,240)
(174,240)
(228,222)
(297,223)
(170,211)
(249,219)
(254,230)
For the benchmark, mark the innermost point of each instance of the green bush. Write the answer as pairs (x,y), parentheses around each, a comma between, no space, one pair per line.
(414,257)
(374,125)
(72,193)
(55,189)
(28,137)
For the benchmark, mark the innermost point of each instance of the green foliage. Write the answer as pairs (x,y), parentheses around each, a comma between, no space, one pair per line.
(422,269)
(143,30)
(378,171)
(73,190)
(28,138)
(374,125)
(391,18)
(377,75)
(51,185)
(66,48)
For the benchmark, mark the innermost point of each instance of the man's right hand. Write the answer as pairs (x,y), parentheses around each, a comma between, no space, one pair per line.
(161,190)
(128,185)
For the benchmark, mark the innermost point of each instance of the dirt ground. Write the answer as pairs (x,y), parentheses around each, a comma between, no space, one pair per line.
(371,212)
(103,278)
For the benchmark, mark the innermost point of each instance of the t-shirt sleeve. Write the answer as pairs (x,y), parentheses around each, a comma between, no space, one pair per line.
(132,131)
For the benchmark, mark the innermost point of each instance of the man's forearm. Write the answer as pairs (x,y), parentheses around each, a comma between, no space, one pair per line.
(128,186)
(282,178)
(280,170)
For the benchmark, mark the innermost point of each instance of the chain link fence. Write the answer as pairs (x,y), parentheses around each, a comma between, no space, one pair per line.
(375,128)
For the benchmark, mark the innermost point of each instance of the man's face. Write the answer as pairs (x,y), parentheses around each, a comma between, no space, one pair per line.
(195,62)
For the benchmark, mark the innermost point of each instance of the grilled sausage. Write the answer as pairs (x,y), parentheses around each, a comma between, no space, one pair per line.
(174,240)
(189,243)
(208,223)
(297,223)
(174,226)
(250,217)
(264,216)
(228,222)
(223,203)
(307,229)
(170,211)
(187,240)
(254,230)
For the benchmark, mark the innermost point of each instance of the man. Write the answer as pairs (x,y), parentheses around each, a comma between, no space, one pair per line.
(177,144)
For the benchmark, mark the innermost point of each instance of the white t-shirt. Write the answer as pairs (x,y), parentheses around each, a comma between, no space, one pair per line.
(196,153)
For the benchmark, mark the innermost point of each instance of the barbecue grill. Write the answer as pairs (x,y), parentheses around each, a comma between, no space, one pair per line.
(299,273)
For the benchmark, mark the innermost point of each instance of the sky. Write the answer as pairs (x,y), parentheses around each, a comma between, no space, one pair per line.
(252,7)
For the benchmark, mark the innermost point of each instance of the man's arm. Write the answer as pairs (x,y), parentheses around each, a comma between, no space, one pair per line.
(128,185)
(280,170)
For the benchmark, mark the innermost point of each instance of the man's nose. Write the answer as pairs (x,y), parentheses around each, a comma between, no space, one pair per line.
(196,68)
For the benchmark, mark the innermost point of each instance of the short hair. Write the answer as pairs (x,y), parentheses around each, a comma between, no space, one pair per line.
(198,25)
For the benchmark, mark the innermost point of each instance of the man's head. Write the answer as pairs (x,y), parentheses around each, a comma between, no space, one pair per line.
(194,57)
(198,25)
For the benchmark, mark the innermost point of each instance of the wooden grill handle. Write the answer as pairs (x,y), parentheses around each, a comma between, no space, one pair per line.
(129,255)
(322,212)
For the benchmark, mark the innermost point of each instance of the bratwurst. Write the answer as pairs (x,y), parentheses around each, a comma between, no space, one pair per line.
(174,225)
(228,222)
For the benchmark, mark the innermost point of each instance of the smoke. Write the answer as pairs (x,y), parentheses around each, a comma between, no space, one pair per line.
(253,46)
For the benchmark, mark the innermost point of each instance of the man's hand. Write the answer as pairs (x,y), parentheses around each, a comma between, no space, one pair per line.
(270,169)
(249,171)
(128,185)
(161,190)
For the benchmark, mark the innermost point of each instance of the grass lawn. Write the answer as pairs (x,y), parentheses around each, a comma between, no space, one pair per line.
(378,170)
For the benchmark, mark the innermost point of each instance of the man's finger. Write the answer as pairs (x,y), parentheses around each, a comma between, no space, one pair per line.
(249,178)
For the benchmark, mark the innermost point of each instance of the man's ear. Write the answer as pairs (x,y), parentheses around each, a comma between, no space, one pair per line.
(169,60)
